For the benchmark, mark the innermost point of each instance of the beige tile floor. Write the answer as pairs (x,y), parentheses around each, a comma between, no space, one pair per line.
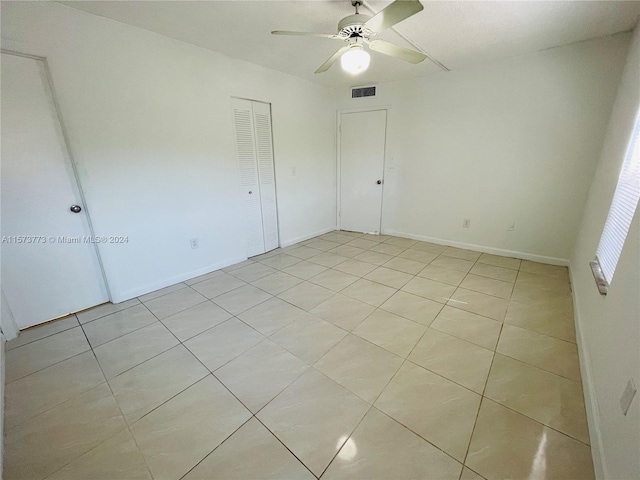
(346,356)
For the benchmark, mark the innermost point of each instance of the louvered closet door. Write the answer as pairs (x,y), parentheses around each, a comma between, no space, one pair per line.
(266,174)
(254,148)
(249,182)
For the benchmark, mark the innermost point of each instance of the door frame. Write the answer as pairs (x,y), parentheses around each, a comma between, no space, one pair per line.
(70,156)
(273,148)
(339,114)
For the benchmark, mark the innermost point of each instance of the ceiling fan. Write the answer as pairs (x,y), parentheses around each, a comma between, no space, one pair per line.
(357,31)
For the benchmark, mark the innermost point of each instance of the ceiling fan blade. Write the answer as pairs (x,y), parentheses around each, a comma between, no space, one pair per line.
(327,65)
(406,54)
(305,34)
(394,13)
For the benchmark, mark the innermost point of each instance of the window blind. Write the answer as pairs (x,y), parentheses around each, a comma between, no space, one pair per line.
(623,207)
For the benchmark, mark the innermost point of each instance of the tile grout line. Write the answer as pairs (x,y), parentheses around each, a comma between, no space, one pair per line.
(346,440)
(486,382)
(107,314)
(173,290)
(35,327)
(482,397)
(57,404)
(120,336)
(216,447)
(539,368)
(417,434)
(544,425)
(53,364)
(281,442)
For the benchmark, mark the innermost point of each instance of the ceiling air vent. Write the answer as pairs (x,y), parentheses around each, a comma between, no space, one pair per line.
(358,92)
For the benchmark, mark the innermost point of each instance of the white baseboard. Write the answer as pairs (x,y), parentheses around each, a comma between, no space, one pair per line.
(590,399)
(286,243)
(122,296)
(8,325)
(118,297)
(481,248)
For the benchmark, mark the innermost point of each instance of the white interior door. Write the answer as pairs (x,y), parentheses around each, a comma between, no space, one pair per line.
(48,268)
(362,150)
(266,173)
(254,149)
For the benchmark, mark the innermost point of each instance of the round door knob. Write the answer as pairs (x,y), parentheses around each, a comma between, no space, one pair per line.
(76,208)
(250,192)
(379,182)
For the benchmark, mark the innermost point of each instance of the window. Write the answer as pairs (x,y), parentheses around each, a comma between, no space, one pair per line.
(623,208)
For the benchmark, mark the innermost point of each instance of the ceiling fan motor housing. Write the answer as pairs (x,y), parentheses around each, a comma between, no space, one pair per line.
(353,26)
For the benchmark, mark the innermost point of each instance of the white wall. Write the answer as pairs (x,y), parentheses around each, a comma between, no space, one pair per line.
(149,123)
(608,327)
(515,140)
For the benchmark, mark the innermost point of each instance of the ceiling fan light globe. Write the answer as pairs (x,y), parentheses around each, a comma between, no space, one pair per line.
(355,61)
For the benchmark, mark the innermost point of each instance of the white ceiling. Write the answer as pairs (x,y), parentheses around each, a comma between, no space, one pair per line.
(457,34)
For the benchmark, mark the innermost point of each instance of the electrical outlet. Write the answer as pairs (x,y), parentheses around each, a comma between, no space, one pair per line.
(466,223)
(627,396)
(391,166)
(194,243)
(511,227)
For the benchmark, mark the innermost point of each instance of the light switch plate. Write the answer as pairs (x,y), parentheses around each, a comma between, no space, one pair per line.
(627,396)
